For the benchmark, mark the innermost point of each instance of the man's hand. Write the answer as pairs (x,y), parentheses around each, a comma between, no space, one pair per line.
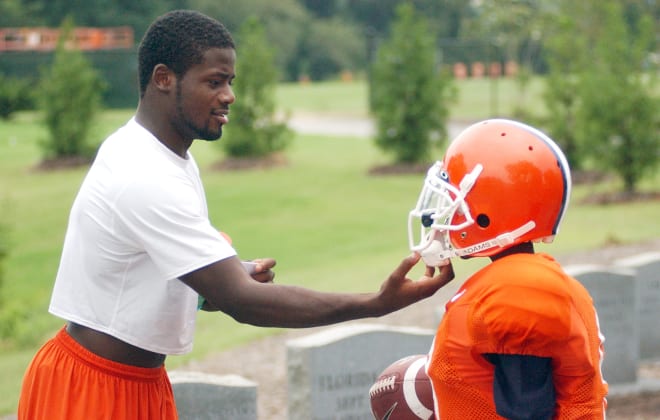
(261,269)
(399,291)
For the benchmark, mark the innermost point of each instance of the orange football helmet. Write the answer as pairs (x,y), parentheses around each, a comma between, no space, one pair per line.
(500,183)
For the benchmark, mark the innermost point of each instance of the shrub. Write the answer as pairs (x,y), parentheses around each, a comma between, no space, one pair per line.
(409,95)
(253,131)
(70,98)
(14,96)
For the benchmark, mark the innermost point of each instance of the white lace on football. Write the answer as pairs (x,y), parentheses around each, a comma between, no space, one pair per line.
(382,385)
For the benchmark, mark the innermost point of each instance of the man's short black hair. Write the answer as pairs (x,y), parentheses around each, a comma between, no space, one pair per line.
(179,40)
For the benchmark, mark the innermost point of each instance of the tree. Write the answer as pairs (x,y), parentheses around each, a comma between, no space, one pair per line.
(15,12)
(514,30)
(253,131)
(137,14)
(565,56)
(15,95)
(618,117)
(409,95)
(70,98)
(283,22)
(332,46)
(318,48)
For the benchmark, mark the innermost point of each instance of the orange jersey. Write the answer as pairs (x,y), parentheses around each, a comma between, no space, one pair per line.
(522,304)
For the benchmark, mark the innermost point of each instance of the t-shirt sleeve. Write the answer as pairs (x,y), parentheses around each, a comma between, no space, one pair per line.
(168,220)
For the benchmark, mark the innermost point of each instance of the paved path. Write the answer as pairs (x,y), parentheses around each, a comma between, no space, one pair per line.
(346,126)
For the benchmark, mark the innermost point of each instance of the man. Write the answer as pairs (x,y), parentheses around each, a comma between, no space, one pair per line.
(520,338)
(140,249)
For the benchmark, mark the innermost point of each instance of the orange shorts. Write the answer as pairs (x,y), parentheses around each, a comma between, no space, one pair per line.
(66,381)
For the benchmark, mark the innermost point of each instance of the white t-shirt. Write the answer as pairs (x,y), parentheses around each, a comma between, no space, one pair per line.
(138,223)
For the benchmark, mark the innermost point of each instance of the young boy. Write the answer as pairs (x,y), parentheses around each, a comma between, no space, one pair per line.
(520,339)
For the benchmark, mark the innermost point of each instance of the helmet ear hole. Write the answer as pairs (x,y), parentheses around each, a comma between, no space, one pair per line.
(483,220)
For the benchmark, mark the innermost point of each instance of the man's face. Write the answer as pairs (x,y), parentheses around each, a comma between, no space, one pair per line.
(204,93)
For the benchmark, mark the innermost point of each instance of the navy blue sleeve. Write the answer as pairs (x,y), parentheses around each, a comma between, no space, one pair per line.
(522,386)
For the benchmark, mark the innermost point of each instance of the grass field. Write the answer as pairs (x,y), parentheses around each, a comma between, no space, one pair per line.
(477,98)
(329,224)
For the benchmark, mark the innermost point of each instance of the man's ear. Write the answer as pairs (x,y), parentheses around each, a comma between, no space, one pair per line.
(163,78)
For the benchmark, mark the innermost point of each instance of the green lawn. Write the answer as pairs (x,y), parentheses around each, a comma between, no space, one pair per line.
(477,99)
(329,224)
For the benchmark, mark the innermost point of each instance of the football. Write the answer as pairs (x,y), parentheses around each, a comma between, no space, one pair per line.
(403,391)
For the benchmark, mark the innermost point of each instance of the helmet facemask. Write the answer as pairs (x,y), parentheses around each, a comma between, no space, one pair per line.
(441,209)
(438,204)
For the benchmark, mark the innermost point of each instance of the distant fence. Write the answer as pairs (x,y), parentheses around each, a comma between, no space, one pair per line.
(85,39)
(24,52)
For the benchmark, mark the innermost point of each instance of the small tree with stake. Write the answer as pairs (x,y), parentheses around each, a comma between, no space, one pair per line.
(253,131)
(409,95)
(70,99)
(618,118)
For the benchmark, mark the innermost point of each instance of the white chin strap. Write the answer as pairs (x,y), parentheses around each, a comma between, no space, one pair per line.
(435,254)
(438,252)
